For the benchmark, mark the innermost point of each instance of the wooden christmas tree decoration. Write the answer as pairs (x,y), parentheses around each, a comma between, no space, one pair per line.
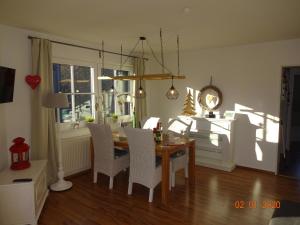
(188,108)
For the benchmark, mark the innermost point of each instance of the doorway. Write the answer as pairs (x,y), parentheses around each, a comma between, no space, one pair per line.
(289,141)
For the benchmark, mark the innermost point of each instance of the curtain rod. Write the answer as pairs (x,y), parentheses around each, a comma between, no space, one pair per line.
(89,48)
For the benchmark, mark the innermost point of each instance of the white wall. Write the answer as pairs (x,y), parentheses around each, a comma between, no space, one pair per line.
(15,116)
(249,77)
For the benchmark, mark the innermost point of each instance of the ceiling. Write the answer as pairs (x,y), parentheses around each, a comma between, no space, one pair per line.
(200,23)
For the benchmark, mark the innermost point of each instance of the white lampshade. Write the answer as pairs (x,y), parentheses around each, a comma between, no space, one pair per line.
(56,100)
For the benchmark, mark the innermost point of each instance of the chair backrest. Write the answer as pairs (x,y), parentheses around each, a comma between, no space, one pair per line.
(142,151)
(102,141)
(149,122)
(179,127)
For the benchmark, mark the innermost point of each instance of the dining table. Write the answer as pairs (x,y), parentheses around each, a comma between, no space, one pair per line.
(164,150)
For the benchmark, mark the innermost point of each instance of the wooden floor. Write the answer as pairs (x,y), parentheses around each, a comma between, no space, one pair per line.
(209,202)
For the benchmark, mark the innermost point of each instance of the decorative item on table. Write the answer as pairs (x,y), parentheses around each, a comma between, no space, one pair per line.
(33,80)
(19,154)
(189,109)
(159,126)
(157,135)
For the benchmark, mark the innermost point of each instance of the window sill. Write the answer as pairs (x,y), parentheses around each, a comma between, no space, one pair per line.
(74,132)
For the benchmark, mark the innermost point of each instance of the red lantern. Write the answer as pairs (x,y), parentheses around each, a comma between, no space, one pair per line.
(19,154)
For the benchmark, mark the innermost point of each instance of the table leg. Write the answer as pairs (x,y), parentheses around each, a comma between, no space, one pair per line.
(192,162)
(92,155)
(165,176)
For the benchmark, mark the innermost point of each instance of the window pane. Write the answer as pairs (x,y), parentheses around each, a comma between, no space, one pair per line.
(65,114)
(82,79)
(83,107)
(123,86)
(108,103)
(62,78)
(106,84)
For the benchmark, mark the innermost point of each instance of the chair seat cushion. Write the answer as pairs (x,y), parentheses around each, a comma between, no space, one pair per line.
(178,154)
(119,153)
(157,161)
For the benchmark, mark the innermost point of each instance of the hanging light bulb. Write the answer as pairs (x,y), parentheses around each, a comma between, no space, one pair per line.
(112,89)
(140,92)
(172,93)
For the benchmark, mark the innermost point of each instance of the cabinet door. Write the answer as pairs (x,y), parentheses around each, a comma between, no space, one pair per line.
(16,204)
(40,189)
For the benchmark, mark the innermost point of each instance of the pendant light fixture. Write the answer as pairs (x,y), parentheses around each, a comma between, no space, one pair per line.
(172,93)
(165,74)
(140,92)
(101,54)
(112,88)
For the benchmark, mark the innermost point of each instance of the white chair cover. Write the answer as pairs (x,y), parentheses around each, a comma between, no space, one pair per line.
(104,153)
(143,169)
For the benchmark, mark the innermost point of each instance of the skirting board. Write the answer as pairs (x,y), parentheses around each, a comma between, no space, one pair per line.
(215,164)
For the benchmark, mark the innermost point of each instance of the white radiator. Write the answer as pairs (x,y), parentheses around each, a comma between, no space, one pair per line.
(76,154)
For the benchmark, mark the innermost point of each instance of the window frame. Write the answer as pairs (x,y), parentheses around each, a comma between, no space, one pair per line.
(97,89)
(93,92)
(125,67)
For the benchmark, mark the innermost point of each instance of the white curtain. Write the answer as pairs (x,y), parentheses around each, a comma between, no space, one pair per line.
(140,103)
(43,130)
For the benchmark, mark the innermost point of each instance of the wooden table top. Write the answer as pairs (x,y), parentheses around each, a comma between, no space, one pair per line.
(172,146)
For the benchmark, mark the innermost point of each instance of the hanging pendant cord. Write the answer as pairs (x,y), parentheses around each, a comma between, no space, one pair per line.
(121,59)
(131,52)
(143,52)
(156,58)
(142,63)
(102,54)
(162,52)
(178,63)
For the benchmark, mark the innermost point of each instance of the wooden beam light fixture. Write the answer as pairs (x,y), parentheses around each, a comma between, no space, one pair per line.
(166,74)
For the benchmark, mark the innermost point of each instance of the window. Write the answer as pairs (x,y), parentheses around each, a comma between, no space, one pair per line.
(78,83)
(120,103)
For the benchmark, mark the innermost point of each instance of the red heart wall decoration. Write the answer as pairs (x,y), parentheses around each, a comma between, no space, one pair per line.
(33,80)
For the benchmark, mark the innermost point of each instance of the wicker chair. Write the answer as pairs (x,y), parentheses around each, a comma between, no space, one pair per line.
(145,167)
(107,159)
(180,159)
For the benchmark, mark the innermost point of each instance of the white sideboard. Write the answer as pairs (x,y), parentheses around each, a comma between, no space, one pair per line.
(22,203)
(214,142)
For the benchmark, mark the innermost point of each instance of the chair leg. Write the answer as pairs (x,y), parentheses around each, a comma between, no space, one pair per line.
(173,177)
(95,177)
(151,194)
(170,178)
(111,182)
(186,171)
(129,188)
